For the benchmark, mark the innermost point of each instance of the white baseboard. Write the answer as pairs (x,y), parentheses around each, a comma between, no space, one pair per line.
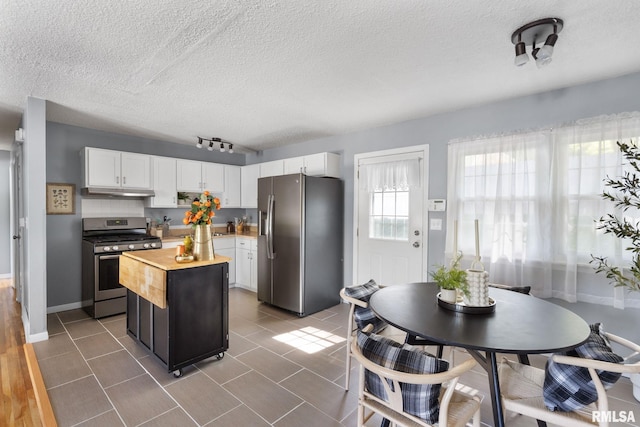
(6,276)
(28,336)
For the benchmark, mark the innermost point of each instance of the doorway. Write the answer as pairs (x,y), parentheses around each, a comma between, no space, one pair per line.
(17,222)
(390,217)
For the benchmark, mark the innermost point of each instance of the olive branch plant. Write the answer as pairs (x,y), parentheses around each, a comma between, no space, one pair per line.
(624,193)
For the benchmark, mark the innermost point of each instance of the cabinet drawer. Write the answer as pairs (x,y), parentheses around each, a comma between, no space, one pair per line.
(224,243)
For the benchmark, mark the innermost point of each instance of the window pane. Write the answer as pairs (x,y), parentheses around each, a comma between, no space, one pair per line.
(376,203)
(389,216)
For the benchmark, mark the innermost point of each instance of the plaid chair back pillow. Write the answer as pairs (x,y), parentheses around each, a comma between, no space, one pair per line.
(568,387)
(420,400)
(364,316)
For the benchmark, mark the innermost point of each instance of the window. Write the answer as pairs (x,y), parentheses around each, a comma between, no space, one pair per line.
(389,215)
(537,197)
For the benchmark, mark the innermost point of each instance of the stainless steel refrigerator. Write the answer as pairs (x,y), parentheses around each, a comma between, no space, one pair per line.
(300,242)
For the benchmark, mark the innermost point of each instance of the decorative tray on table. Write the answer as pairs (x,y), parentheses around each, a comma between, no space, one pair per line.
(181,259)
(461,307)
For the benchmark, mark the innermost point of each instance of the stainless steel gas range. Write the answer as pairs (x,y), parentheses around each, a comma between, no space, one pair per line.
(103,240)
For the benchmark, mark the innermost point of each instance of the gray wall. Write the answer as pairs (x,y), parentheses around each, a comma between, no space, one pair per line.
(540,110)
(64,144)
(5,225)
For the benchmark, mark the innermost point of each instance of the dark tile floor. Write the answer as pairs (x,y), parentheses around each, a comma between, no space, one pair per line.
(96,375)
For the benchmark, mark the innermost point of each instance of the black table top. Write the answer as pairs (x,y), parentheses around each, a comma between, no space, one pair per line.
(520,324)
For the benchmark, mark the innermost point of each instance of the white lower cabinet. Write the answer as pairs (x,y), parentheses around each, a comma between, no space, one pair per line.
(226,246)
(247,263)
(243,251)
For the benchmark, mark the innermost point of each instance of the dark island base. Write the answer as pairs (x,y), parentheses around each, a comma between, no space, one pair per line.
(195,324)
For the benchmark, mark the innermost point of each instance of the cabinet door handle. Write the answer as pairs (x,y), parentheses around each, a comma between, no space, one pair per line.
(117,180)
(124,180)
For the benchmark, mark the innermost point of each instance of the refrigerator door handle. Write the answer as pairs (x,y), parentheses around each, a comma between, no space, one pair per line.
(269,226)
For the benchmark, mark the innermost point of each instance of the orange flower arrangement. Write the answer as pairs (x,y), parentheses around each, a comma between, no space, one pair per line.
(202,210)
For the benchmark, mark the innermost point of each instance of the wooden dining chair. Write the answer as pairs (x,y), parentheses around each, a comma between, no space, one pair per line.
(360,315)
(523,387)
(410,387)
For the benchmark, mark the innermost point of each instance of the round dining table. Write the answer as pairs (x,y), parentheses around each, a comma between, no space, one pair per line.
(520,324)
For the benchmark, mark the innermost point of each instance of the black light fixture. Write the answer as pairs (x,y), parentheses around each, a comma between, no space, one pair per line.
(223,146)
(528,35)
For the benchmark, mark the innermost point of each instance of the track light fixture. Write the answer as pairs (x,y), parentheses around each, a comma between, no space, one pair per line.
(528,35)
(223,146)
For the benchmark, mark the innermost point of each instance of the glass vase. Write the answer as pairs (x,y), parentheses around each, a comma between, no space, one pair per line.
(203,243)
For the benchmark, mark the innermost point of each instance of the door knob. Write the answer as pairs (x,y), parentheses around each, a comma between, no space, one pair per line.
(15,237)
(416,244)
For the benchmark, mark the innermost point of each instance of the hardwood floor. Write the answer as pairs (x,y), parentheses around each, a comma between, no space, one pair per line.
(18,406)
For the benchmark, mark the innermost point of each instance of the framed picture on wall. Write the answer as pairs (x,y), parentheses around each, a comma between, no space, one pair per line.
(61,199)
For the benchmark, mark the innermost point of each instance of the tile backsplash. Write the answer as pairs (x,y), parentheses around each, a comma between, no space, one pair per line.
(92,208)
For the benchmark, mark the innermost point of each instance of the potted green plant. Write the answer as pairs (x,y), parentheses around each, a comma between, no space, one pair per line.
(451,280)
(182,198)
(623,193)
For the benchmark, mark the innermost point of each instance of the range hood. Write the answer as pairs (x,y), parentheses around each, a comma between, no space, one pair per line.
(116,192)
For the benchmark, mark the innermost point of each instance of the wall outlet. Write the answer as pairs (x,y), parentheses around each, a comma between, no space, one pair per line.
(435,224)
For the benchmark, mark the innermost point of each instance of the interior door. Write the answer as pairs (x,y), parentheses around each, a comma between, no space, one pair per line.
(390,240)
(18,222)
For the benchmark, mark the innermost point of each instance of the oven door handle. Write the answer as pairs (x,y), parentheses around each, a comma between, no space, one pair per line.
(101,257)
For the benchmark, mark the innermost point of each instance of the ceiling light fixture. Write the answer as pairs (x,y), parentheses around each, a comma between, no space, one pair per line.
(223,146)
(528,35)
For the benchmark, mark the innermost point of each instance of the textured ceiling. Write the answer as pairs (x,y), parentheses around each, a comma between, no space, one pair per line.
(274,72)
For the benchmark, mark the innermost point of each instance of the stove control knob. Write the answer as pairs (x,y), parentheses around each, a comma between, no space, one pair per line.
(115,248)
(145,245)
(106,249)
(131,246)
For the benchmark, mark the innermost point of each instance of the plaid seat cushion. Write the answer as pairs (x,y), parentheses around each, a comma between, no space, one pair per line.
(420,400)
(567,387)
(364,316)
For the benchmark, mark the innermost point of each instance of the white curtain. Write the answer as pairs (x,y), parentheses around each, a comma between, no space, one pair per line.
(395,175)
(503,182)
(585,154)
(537,196)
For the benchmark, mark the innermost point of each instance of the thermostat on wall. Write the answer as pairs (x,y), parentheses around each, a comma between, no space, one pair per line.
(437,205)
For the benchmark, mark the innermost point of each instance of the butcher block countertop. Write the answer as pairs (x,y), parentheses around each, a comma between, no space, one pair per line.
(145,272)
(165,259)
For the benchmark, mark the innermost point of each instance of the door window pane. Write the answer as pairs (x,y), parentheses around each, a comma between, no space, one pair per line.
(389,215)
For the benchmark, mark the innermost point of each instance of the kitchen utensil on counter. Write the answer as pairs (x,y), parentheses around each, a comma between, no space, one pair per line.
(230,227)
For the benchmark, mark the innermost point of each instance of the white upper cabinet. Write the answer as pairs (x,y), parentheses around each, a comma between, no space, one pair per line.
(116,169)
(194,177)
(249,179)
(213,177)
(273,168)
(232,179)
(320,164)
(164,183)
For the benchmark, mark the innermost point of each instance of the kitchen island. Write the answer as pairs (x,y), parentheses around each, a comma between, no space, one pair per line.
(177,310)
